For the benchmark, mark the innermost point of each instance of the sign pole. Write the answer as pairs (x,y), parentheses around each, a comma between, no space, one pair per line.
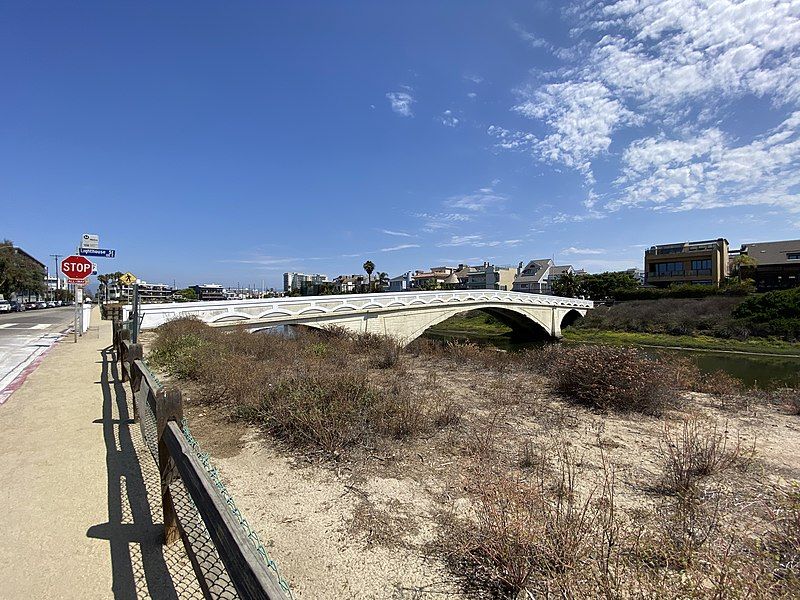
(135,323)
(75,326)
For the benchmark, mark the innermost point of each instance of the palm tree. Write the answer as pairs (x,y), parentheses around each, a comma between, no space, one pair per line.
(383,280)
(369,267)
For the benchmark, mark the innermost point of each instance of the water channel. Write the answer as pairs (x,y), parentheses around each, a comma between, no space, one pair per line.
(751,369)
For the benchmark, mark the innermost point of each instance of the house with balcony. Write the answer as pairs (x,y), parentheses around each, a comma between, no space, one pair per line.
(704,263)
(489,277)
(538,276)
(777,264)
(209,291)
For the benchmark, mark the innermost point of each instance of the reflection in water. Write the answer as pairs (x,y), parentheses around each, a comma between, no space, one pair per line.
(764,371)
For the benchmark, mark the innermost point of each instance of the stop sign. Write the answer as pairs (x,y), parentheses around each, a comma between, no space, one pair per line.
(76,267)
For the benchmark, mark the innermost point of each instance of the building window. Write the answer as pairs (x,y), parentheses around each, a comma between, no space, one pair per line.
(699,265)
(669,268)
(793,256)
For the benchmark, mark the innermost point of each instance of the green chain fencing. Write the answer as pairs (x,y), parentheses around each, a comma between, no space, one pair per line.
(251,534)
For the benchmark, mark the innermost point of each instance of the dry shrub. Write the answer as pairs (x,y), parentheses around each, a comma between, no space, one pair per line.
(388,354)
(697,450)
(788,398)
(446,412)
(423,346)
(178,346)
(688,521)
(320,410)
(230,378)
(538,533)
(783,541)
(608,377)
(687,376)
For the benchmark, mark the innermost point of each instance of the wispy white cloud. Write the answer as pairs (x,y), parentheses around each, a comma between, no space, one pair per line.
(399,247)
(476,241)
(582,116)
(448,119)
(396,233)
(709,170)
(401,103)
(581,251)
(477,201)
(676,66)
(473,78)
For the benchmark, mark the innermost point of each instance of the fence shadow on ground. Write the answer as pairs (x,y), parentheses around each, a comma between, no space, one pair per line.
(138,559)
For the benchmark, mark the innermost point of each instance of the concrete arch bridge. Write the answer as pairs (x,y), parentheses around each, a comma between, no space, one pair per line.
(404,315)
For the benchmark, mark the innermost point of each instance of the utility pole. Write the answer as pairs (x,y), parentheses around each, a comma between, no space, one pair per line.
(55,259)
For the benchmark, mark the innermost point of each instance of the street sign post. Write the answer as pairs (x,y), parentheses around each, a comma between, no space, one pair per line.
(99,252)
(89,240)
(77,267)
(77,270)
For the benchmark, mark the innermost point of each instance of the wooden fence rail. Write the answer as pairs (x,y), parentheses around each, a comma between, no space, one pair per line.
(159,410)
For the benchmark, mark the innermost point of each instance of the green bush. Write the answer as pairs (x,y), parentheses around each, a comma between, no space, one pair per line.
(772,314)
(178,346)
(781,304)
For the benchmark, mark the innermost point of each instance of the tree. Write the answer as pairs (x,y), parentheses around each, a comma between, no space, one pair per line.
(743,266)
(369,267)
(601,286)
(568,285)
(383,280)
(18,272)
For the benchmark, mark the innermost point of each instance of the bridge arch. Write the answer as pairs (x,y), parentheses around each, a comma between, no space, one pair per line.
(523,323)
(570,317)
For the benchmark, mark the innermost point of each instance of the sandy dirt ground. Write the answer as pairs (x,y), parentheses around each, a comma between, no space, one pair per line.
(369,527)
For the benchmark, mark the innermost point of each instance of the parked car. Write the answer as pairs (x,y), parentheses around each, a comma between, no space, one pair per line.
(31,306)
(41,304)
(51,304)
(5,306)
(17,306)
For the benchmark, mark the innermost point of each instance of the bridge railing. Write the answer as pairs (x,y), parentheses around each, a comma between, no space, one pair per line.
(153,315)
(226,554)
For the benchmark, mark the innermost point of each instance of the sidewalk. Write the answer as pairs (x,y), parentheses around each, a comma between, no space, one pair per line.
(74,511)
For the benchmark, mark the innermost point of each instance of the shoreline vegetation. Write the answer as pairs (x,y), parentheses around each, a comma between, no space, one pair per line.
(754,347)
(565,469)
(715,323)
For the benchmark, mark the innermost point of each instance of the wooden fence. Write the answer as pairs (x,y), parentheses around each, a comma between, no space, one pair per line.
(187,491)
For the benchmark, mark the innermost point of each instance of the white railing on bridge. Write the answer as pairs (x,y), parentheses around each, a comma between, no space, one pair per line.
(304,308)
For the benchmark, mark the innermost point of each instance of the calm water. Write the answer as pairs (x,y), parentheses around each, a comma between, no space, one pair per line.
(764,371)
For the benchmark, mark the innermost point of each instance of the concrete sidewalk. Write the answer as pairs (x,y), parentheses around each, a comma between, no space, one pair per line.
(79,511)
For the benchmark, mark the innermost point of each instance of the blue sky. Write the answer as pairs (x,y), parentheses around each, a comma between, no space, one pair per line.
(230,142)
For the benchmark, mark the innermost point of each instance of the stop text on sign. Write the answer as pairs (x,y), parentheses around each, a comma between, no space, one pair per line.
(76,267)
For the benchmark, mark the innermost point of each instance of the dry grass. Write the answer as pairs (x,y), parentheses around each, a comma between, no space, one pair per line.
(534,532)
(696,450)
(632,506)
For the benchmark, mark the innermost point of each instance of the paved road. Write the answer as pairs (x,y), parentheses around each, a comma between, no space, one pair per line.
(24,337)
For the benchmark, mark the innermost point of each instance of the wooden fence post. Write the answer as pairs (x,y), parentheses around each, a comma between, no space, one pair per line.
(124,336)
(135,352)
(169,407)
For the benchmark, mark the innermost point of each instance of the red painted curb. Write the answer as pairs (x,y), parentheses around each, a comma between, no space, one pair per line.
(20,379)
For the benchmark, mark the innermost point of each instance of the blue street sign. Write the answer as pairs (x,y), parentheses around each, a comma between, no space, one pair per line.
(102,253)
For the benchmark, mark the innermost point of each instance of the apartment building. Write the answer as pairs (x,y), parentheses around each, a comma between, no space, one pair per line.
(704,262)
(149,293)
(777,264)
(490,277)
(209,291)
(306,284)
